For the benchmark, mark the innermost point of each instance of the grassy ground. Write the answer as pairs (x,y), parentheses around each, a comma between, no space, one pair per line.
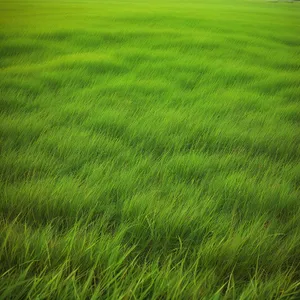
(149,149)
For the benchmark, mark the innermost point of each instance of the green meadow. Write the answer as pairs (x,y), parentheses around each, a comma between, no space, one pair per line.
(149,149)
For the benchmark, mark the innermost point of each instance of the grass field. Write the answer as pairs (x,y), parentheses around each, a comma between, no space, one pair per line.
(149,149)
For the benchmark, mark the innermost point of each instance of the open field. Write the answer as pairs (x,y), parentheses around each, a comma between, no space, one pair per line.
(149,149)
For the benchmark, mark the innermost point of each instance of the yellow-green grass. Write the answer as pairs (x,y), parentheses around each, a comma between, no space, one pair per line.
(149,149)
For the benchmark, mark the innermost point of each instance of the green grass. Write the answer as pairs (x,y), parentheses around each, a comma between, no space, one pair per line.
(149,149)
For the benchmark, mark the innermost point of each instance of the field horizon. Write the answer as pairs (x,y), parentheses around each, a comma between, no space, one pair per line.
(149,149)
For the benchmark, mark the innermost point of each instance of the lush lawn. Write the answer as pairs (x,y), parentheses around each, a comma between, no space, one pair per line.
(149,149)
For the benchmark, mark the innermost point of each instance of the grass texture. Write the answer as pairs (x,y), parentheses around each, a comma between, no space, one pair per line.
(149,149)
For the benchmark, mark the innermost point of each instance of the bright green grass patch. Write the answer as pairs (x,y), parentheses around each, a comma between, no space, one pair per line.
(149,149)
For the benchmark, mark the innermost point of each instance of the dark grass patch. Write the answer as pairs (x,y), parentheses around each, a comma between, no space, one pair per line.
(19,47)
